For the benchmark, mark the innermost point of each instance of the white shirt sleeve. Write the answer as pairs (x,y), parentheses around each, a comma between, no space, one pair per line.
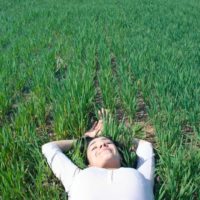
(146,162)
(63,168)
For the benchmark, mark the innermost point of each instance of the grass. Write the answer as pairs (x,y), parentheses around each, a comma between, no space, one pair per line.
(54,56)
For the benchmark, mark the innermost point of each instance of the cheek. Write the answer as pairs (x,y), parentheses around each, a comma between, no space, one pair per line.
(114,149)
(117,152)
(91,157)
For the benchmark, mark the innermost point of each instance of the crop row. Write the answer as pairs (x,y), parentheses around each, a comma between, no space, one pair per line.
(62,61)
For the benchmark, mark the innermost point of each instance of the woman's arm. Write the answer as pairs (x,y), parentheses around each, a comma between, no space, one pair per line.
(63,168)
(64,145)
(50,149)
(145,161)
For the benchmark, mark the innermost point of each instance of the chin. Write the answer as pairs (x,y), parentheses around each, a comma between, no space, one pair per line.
(107,155)
(110,162)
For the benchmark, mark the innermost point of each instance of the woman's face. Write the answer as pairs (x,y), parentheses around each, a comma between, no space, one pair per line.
(102,152)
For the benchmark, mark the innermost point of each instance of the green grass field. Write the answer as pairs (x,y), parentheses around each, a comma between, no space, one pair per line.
(61,60)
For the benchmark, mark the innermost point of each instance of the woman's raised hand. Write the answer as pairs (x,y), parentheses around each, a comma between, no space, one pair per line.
(96,129)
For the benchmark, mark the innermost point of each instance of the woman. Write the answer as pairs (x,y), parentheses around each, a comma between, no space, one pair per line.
(104,178)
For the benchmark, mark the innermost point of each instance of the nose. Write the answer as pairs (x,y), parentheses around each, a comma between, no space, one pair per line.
(102,144)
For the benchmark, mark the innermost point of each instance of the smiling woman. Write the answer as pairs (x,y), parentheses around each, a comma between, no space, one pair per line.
(104,178)
(102,152)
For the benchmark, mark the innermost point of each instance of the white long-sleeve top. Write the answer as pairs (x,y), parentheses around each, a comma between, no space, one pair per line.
(95,183)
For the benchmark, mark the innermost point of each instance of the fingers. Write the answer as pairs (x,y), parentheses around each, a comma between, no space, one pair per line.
(94,125)
(102,113)
(99,125)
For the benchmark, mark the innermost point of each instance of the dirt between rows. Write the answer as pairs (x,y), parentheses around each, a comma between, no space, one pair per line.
(141,116)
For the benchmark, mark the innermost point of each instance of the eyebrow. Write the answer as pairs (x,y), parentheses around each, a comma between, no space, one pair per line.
(95,142)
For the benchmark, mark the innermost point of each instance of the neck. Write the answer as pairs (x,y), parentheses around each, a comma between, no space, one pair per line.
(111,165)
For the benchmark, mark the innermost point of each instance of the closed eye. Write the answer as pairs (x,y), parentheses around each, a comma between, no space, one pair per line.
(93,148)
(109,143)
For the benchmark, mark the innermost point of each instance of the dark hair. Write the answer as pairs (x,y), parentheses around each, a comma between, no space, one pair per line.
(85,141)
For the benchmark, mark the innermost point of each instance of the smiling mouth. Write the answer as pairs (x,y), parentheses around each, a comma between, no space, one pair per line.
(105,149)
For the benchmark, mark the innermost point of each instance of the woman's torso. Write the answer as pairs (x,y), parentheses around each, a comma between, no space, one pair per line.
(102,184)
